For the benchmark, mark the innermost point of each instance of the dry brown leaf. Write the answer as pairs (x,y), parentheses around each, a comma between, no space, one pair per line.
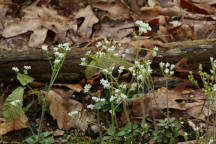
(85,29)
(159,103)
(61,105)
(4,7)
(115,31)
(58,132)
(18,124)
(116,10)
(210,2)
(197,8)
(39,20)
(74,87)
(201,29)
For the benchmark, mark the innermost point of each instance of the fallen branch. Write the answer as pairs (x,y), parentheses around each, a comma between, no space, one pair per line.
(196,51)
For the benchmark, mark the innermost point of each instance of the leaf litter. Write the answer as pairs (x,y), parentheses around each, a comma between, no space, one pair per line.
(191,23)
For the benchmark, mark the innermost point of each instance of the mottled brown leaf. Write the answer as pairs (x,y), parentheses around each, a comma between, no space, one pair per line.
(85,29)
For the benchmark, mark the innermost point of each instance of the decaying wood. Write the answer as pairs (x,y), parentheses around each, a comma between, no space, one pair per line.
(197,51)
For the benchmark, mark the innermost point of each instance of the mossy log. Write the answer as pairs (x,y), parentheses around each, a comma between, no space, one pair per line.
(196,51)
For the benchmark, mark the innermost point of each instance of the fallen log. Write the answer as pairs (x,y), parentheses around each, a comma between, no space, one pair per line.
(196,51)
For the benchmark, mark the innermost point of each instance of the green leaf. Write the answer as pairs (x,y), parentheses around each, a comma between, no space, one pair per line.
(24,79)
(111,130)
(90,71)
(108,60)
(12,107)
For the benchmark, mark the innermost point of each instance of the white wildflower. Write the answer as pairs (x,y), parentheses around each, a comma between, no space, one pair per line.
(67,48)
(72,113)
(111,49)
(60,45)
(61,55)
(44,47)
(112,98)
(121,68)
(66,45)
(99,44)
(27,67)
(156,48)
(104,47)
(100,53)
(83,62)
(55,49)
(123,96)
(87,88)
(130,69)
(123,86)
(106,71)
(154,53)
(117,90)
(127,51)
(171,73)
(88,53)
(16,69)
(172,66)
(90,106)
(105,83)
(162,65)
(123,55)
(143,27)
(106,41)
(167,64)
(133,85)
(166,71)
(57,61)
(214,87)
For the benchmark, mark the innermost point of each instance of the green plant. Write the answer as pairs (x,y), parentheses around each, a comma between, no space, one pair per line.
(209,91)
(12,107)
(168,70)
(117,94)
(167,131)
(43,138)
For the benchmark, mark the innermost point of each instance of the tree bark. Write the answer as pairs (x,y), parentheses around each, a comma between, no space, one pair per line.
(196,51)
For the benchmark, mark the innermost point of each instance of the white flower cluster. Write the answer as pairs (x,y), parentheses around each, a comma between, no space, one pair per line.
(120,70)
(87,88)
(44,47)
(118,96)
(90,106)
(142,72)
(73,113)
(106,84)
(27,67)
(15,102)
(97,99)
(143,27)
(16,69)
(167,68)
(154,52)
(59,51)
(83,62)
(108,70)
(213,65)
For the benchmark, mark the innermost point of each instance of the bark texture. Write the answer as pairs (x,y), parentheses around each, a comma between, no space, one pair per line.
(196,51)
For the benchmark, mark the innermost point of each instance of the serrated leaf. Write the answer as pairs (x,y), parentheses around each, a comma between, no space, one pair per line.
(24,79)
(12,107)
(90,71)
